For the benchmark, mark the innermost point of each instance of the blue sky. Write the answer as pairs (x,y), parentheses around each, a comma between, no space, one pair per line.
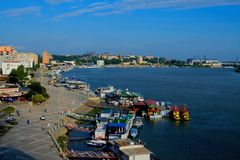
(170,28)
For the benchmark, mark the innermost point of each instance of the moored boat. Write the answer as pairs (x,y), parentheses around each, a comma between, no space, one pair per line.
(155,116)
(134,132)
(96,143)
(184,113)
(175,113)
(102,91)
(138,122)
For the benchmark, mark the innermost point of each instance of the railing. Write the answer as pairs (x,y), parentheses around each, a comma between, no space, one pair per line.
(51,133)
(90,154)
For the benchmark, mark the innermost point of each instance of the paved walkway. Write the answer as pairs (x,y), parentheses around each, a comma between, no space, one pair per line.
(30,141)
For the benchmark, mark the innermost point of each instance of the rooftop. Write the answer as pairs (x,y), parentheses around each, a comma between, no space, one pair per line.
(136,151)
(149,102)
(131,148)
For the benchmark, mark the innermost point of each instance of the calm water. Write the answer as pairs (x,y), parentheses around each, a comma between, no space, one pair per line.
(212,95)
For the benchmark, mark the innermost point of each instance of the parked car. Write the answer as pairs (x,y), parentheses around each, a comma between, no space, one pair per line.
(42,118)
(11,120)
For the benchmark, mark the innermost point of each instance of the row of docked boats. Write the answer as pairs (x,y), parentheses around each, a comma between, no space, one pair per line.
(143,108)
(126,117)
(180,113)
(70,84)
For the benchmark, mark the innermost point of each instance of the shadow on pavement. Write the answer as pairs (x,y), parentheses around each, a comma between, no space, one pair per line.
(11,153)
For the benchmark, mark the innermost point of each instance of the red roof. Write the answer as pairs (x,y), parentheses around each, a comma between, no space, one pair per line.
(150,102)
(139,104)
(174,108)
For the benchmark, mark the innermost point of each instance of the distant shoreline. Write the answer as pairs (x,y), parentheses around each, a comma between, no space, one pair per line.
(146,66)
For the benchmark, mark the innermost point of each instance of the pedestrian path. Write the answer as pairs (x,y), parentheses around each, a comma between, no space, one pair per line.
(31,141)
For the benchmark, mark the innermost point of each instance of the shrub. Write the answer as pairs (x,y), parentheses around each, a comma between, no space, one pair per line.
(38,98)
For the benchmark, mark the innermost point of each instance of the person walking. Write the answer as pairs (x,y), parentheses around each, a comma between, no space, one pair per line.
(18,113)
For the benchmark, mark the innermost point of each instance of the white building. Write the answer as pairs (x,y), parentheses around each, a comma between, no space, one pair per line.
(7,66)
(71,63)
(194,61)
(100,62)
(212,63)
(139,59)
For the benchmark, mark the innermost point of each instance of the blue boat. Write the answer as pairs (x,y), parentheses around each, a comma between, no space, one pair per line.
(134,132)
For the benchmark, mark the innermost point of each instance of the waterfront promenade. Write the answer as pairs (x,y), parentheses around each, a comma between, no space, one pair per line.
(31,141)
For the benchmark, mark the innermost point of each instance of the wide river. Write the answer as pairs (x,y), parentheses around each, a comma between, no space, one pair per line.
(213,98)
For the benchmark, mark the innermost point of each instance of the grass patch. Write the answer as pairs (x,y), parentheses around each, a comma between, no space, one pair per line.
(4,130)
(63,142)
(94,111)
(8,110)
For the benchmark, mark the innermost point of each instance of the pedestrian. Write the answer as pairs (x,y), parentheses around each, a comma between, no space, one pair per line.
(28,121)
(45,110)
(18,113)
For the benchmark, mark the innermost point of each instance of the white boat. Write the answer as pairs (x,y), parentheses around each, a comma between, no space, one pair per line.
(155,116)
(102,91)
(140,99)
(165,113)
(96,143)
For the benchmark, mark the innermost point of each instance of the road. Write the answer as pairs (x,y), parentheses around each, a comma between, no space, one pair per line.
(30,141)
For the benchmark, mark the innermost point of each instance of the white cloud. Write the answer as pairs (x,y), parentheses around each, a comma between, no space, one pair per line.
(88,9)
(58,1)
(122,6)
(22,11)
(155,4)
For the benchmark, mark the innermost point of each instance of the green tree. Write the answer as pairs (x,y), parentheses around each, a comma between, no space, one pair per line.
(38,98)
(37,88)
(21,73)
(13,77)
